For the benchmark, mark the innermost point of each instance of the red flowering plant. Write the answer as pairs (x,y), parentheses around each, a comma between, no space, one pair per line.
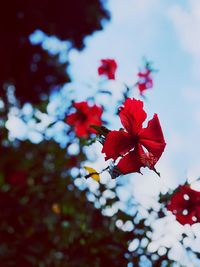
(145,80)
(108,68)
(83,117)
(134,146)
(129,149)
(185,205)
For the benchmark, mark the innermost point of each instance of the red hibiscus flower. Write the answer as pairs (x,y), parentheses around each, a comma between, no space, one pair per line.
(108,68)
(85,116)
(145,80)
(137,146)
(185,205)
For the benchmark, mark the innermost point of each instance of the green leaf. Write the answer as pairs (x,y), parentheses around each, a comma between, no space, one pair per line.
(101,130)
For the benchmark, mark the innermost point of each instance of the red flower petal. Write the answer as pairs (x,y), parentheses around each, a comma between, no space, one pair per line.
(149,160)
(132,115)
(94,118)
(81,106)
(117,143)
(145,80)
(82,130)
(132,162)
(184,204)
(152,137)
(72,118)
(144,74)
(142,87)
(95,111)
(186,219)
(108,67)
(94,121)
(84,117)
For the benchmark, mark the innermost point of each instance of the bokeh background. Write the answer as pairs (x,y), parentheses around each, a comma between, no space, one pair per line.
(50,52)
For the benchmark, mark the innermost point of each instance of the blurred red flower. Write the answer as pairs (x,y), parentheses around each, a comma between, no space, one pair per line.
(185,205)
(138,147)
(145,80)
(108,68)
(85,116)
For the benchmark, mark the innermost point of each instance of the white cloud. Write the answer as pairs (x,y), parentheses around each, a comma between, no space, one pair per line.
(192,95)
(187,24)
(126,9)
(194,171)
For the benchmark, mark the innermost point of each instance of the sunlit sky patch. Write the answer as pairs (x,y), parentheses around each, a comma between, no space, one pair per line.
(154,29)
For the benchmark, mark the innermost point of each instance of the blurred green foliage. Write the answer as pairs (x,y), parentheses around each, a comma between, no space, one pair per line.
(46,219)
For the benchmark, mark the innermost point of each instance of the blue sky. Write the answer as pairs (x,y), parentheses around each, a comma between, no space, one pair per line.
(160,31)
